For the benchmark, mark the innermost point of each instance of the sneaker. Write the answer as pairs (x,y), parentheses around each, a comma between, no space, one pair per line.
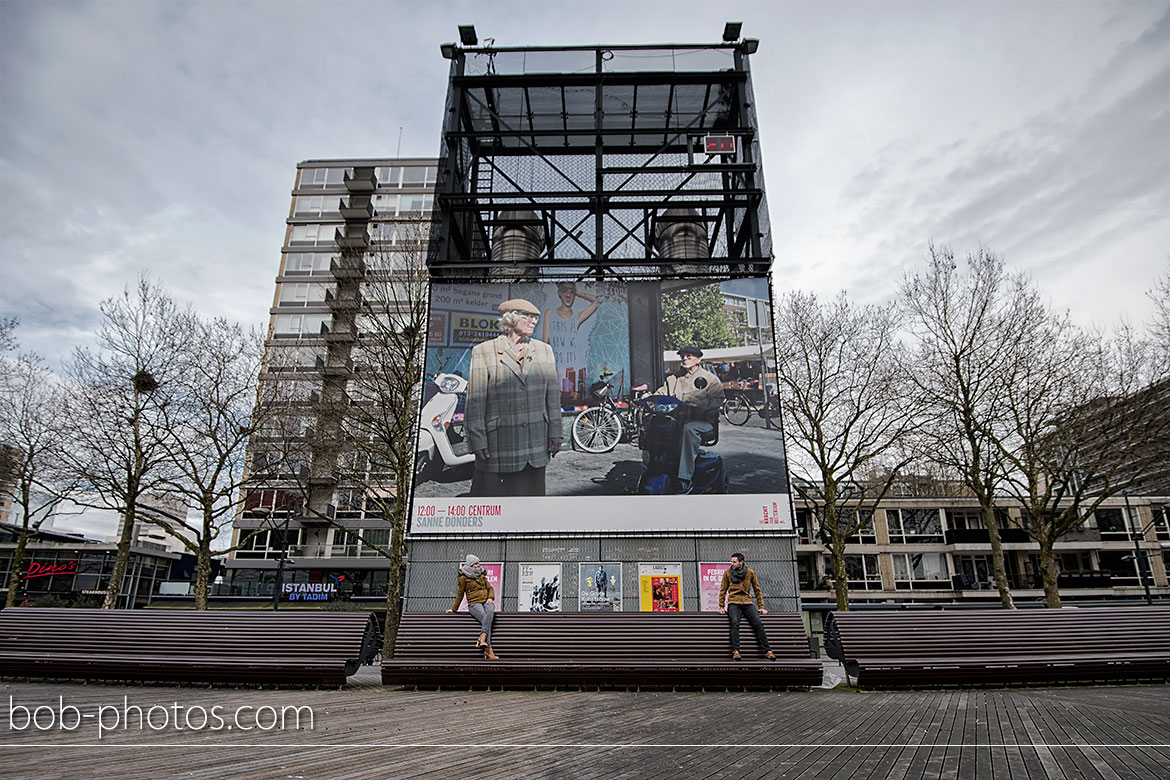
(770,655)
(735,656)
(684,487)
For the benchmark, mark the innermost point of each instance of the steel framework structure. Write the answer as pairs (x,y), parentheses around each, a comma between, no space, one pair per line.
(597,151)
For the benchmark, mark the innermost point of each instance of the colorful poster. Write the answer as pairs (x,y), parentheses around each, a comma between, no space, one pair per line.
(660,587)
(710,579)
(600,587)
(495,574)
(539,588)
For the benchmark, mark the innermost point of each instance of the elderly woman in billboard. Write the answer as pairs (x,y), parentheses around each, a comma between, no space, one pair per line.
(513,415)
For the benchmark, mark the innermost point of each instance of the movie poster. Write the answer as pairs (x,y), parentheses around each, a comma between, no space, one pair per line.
(710,579)
(660,586)
(600,587)
(539,588)
(495,574)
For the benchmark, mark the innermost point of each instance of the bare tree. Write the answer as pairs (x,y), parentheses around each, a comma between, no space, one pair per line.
(1160,325)
(968,328)
(848,410)
(31,440)
(117,453)
(359,438)
(206,428)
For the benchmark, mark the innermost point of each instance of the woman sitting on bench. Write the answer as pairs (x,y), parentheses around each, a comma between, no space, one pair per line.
(481,602)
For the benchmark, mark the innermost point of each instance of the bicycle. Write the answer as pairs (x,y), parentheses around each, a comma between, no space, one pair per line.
(599,428)
(739,407)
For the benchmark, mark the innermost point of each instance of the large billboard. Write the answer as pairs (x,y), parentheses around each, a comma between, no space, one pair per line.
(566,407)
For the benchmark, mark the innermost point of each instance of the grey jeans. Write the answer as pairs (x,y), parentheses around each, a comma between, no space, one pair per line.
(484,614)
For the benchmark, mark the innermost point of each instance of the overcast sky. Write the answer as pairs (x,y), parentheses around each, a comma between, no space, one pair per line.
(164,136)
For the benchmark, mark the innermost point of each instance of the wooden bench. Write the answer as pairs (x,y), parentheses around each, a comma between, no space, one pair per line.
(989,646)
(291,647)
(599,650)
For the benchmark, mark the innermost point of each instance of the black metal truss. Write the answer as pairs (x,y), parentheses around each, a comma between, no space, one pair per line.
(613,152)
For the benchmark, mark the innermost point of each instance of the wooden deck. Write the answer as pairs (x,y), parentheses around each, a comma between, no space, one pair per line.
(367,730)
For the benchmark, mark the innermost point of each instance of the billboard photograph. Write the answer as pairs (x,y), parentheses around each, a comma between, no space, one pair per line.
(558,406)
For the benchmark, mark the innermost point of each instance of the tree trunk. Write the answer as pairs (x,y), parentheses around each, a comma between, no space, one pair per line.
(394,581)
(1049,574)
(203,563)
(17,562)
(840,579)
(122,558)
(1000,571)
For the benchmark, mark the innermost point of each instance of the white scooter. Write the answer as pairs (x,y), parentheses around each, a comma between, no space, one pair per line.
(441,440)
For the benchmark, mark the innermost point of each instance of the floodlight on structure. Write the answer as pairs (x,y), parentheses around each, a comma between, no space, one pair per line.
(750,45)
(448,50)
(467,35)
(731,31)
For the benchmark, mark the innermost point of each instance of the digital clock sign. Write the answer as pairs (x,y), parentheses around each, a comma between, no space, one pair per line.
(719,144)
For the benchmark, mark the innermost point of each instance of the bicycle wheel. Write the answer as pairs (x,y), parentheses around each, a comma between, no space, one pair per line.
(737,410)
(597,429)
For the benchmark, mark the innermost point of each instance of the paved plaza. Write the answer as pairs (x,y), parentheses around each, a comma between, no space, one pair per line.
(366,730)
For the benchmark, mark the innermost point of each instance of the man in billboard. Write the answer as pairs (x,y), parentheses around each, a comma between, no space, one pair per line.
(736,593)
(703,393)
(513,415)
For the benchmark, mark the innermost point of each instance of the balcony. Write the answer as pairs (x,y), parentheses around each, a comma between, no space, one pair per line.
(339,334)
(349,300)
(342,369)
(357,207)
(312,518)
(979,535)
(361,180)
(352,237)
(347,267)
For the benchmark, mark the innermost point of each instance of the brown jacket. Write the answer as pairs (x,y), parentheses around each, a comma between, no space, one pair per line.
(740,592)
(478,591)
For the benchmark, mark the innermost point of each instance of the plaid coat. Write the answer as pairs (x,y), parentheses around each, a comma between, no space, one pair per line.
(513,407)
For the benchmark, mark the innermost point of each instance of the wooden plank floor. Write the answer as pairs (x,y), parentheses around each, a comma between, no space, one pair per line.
(366,730)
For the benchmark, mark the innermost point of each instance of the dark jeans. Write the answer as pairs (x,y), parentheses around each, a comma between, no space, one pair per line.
(737,611)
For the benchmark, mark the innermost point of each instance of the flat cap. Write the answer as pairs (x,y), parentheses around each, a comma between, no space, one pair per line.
(518,304)
(690,351)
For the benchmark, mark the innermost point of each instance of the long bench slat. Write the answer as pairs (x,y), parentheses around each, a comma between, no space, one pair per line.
(599,650)
(886,649)
(311,648)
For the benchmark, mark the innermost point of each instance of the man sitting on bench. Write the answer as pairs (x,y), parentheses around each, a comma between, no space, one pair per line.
(735,591)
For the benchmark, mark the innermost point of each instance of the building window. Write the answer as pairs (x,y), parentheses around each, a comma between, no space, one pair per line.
(388,176)
(386,205)
(914,526)
(303,293)
(1161,522)
(299,324)
(312,235)
(920,570)
(417,176)
(977,571)
(349,502)
(305,263)
(1121,565)
(865,533)
(862,572)
(320,178)
(806,528)
(270,544)
(1111,523)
